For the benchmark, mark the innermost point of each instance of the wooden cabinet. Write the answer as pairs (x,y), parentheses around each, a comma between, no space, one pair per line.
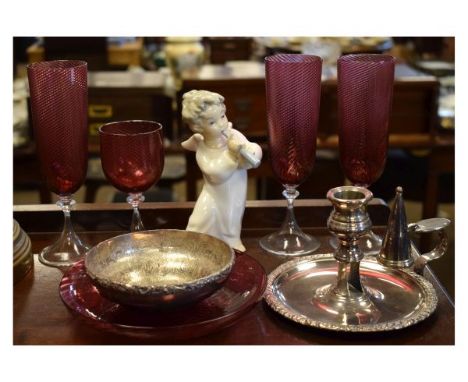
(245,103)
(243,89)
(223,49)
(122,96)
(95,50)
(125,104)
(414,109)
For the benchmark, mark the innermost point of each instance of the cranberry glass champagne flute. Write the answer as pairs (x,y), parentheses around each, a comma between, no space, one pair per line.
(293,103)
(365,94)
(132,157)
(59,107)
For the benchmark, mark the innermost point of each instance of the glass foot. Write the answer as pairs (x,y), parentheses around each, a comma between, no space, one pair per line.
(289,240)
(370,243)
(289,244)
(65,252)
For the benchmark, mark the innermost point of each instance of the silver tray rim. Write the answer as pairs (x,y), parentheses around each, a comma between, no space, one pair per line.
(428,291)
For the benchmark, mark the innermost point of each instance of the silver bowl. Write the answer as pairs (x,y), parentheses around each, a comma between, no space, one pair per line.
(159,269)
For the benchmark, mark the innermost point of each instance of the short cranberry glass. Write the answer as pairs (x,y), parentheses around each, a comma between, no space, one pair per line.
(132,157)
(365,94)
(59,107)
(293,103)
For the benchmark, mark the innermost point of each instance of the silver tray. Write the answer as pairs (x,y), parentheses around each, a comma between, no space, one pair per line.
(401,298)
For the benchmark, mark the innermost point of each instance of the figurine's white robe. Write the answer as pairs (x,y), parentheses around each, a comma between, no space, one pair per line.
(220,207)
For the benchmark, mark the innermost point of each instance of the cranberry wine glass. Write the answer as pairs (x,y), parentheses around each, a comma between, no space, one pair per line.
(59,107)
(132,157)
(365,93)
(293,103)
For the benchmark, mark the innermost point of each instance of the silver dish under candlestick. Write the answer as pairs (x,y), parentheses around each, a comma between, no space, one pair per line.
(345,291)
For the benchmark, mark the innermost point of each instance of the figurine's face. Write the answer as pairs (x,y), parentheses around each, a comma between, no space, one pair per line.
(216,122)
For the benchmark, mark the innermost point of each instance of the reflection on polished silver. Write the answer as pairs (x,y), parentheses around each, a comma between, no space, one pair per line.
(398,251)
(431,225)
(397,298)
(159,269)
(339,291)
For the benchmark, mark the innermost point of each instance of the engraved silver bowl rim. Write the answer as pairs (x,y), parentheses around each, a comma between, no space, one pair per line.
(187,287)
(277,305)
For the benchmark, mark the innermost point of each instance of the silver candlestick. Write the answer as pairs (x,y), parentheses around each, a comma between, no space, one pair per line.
(345,290)
(349,221)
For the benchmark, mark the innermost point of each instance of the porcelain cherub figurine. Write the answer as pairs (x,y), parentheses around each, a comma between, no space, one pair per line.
(224,155)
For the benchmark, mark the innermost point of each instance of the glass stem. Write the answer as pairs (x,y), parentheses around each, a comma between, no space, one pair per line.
(65,203)
(134,200)
(290,223)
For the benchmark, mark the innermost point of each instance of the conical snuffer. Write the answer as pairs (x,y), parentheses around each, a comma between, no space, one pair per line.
(396,248)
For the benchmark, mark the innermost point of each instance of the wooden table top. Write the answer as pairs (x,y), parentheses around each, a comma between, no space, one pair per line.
(40,317)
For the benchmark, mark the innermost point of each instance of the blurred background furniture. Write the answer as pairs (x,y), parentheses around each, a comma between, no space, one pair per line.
(62,48)
(224,49)
(99,52)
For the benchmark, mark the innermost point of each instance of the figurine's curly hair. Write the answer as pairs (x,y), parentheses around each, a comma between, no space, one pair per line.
(196,105)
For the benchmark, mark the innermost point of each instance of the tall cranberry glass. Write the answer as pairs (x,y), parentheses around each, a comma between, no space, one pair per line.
(365,94)
(59,107)
(293,104)
(132,157)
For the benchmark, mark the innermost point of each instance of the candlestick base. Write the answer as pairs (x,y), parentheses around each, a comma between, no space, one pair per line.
(304,290)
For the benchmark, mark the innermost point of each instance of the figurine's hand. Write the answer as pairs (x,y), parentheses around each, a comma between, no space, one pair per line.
(235,146)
